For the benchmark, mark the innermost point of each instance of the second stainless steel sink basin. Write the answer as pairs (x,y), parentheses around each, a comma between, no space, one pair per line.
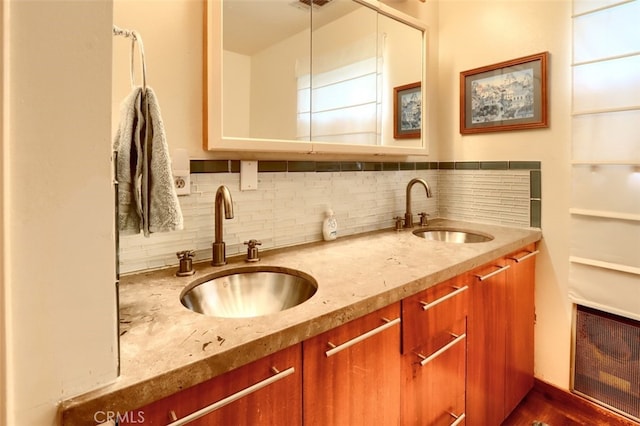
(452,235)
(248,292)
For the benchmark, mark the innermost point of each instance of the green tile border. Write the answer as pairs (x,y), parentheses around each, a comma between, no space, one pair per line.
(433,165)
(233,166)
(467,165)
(446,165)
(209,166)
(535,207)
(272,166)
(354,166)
(372,167)
(407,166)
(535,184)
(327,166)
(390,167)
(494,165)
(301,166)
(524,165)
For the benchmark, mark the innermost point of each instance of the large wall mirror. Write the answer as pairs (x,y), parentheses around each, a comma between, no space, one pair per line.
(314,76)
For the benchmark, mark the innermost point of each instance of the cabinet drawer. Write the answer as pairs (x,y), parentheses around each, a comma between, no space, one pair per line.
(360,330)
(443,337)
(434,391)
(429,317)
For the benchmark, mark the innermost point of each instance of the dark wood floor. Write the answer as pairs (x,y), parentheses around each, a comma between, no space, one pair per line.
(556,407)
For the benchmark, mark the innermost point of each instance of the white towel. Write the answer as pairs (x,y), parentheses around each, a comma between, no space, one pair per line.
(146,194)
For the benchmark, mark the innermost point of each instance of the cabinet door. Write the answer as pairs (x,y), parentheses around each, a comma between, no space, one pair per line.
(336,59)
(265,392)
(486,345)
(433,386)
(520,319)
(352,373)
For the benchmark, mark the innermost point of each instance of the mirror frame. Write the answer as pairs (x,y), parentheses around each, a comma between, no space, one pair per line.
(213,139)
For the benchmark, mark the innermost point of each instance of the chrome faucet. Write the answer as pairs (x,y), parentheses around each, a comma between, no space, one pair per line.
(223,198)
(408,216)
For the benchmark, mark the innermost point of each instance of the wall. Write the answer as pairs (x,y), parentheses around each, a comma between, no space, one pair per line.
(3,139)
(174,29)
(481,32)
(173,36)
(463,35)
(58,237)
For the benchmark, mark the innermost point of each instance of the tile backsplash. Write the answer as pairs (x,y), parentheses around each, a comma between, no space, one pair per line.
(288,206)
(489,196)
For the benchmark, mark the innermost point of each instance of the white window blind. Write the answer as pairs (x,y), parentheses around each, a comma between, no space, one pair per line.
(605,199)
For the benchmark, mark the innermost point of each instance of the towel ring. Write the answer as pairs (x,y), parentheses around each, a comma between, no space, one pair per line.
(135,38)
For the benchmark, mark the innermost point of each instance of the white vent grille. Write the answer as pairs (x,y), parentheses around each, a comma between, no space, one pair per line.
(607,360)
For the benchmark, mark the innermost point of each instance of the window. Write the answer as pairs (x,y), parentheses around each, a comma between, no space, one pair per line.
(605,199)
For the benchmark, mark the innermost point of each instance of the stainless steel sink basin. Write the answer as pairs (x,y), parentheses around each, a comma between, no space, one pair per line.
(451,235)
(248,292)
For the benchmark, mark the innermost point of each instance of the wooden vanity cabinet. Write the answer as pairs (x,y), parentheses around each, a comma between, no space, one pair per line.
(265,392)
(352,373)
(460,352)
(500,337)
(434,356)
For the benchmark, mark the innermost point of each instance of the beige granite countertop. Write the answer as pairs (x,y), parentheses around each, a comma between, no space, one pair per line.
(165,347)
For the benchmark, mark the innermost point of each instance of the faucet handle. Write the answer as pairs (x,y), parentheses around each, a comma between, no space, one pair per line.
(185,254)
(186,264)
(252,250)
(399,223)
(423,219)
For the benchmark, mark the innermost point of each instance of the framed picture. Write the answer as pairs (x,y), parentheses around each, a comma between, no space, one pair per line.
(407,111)
(511,95)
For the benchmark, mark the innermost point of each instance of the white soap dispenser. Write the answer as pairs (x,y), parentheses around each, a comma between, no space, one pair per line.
(330,226)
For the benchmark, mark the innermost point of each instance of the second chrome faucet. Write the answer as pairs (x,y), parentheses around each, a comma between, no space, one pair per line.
(408,216)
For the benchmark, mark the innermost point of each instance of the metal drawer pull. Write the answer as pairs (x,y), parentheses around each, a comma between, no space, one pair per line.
(335,349)
(428,359)
(426,306)
(236,396)
(458,418)
(526,256)
(491,274)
